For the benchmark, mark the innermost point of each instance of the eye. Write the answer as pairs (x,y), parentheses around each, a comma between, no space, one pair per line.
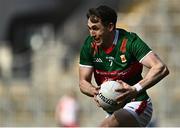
(89,28)
(95,28)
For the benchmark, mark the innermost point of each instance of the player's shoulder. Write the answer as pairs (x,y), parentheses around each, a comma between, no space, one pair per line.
(87,43)
(127,34)
(88,40)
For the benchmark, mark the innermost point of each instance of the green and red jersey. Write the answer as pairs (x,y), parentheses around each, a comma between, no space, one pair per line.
(120,62)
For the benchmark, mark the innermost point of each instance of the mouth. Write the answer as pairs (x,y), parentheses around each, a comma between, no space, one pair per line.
(97,40)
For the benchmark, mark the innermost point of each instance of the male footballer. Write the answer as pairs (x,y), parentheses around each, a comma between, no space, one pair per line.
(111,53)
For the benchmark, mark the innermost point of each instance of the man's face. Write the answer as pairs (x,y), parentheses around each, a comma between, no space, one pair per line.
(97,31)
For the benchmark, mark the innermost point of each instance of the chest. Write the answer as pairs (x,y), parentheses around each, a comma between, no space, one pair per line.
(116,60)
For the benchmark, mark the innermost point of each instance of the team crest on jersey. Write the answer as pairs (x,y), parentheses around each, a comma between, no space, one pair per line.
(123,58)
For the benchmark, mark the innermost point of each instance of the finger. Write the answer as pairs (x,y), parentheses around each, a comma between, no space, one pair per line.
(122,96)
(96,92)
(121,103)
(95,98)
(122,84)
(125,85)
(121,89)
(96,101)
(98,87)
(120,81)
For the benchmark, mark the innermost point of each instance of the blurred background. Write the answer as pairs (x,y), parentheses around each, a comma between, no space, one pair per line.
(40,42)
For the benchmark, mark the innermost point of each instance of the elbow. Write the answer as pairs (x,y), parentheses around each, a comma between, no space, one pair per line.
(80,86)
(81,90)
(81,83)
(164,70)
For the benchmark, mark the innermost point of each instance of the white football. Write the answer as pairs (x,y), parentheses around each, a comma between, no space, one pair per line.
(107,96)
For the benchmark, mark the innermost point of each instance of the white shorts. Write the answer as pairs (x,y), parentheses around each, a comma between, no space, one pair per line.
(141,110)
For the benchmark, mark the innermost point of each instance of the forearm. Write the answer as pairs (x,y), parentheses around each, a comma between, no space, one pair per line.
(154,75)
(86,88)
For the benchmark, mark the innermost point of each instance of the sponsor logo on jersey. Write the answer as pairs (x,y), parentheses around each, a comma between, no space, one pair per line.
(123,58)
(130,73)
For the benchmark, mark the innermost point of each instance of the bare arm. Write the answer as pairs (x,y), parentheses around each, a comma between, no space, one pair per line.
(157,70)
(85,75)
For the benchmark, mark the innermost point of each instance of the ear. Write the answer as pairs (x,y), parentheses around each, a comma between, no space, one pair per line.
(111,27)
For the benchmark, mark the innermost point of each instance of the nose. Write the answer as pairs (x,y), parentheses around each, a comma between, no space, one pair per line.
(92,33)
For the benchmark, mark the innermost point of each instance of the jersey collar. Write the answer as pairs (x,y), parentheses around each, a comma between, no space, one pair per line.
(109,50)
(116,37)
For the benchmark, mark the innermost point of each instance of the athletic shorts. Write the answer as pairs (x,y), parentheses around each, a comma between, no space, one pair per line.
(141,110)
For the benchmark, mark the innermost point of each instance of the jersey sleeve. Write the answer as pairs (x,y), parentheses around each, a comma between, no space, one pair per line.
(138,47)
(85,54)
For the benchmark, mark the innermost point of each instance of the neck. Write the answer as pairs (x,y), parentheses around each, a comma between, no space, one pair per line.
(109,40)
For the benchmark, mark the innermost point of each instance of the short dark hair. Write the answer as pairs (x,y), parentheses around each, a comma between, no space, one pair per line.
(104,13)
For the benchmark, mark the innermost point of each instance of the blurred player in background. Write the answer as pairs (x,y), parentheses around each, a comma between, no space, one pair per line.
(112,53)
(67,110)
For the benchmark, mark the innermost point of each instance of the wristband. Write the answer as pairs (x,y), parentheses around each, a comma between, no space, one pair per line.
(138,87)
